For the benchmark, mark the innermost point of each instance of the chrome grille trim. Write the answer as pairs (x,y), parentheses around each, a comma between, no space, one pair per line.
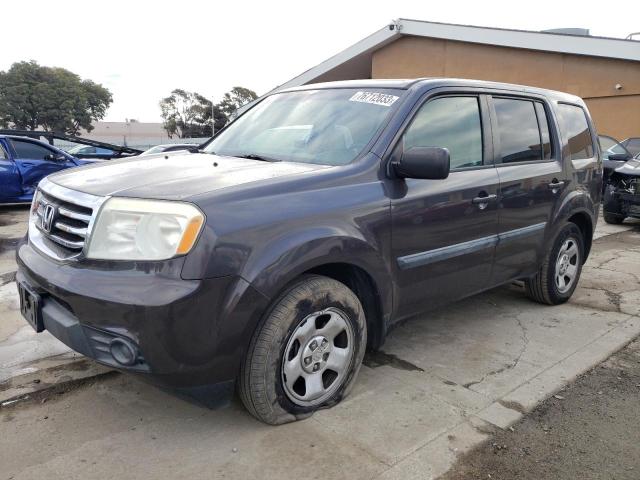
(66,243)
(80,232)
(75,215)
(71,227)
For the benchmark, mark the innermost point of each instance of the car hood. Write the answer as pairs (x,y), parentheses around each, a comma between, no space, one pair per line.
(173,176)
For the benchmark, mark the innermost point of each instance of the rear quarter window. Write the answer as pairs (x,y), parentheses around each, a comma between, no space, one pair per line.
(575,128)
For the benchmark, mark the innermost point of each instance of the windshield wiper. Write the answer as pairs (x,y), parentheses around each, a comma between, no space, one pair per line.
(254,156)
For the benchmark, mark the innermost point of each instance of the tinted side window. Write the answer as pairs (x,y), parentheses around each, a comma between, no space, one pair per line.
(3,154)
(518,130)
(573,122)
(30,150)
(452,123)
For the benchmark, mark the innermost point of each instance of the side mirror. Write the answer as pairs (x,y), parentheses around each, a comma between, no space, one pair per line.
(423,162)
(619,157)
(55,157)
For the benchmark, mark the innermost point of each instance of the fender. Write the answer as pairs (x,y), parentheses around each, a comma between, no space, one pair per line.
(280,261)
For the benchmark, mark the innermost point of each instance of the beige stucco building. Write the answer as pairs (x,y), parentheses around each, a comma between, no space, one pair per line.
(603,71)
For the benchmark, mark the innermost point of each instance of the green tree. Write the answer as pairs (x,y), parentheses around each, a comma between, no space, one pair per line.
(54,99)
(234,99)
(188,114)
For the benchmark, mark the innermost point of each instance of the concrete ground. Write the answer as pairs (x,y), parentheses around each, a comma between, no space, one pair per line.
(590,429)
(21,350)
(441,385)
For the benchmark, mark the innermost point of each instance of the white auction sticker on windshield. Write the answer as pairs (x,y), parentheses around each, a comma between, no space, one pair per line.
(374,97)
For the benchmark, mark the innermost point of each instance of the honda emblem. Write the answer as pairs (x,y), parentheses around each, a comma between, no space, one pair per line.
(48,215)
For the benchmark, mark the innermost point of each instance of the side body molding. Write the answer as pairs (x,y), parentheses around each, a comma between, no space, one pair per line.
(431,256)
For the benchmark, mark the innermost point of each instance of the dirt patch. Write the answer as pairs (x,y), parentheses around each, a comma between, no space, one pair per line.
(8,244)
(52,392)
(7,278)
(380,358)
(591,429)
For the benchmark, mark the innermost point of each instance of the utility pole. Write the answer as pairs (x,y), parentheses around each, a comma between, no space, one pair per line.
(213,118)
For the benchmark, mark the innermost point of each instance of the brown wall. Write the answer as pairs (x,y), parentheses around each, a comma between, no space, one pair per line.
(616,112)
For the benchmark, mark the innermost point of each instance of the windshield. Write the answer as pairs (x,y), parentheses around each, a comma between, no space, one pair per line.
(329,127)
(610,146)
(156,149)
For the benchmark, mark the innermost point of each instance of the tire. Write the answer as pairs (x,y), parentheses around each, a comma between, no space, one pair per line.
(613,218)
(312,309)
(543,286)
(612,206)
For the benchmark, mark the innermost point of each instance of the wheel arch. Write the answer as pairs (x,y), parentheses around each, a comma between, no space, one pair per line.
(583,221)
(579,209)
(367,291)
(347,259)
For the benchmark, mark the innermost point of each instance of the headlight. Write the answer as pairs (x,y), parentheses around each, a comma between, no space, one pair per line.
(134,229)
(35,203)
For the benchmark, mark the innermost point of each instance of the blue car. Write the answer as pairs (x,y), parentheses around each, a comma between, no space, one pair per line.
(24,162)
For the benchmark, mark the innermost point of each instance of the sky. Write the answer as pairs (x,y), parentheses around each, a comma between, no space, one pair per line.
(141,50)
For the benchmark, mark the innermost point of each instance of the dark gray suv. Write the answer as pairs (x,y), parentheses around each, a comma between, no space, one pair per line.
(271,259)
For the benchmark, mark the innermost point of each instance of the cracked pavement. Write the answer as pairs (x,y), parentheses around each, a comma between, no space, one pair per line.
(442,382)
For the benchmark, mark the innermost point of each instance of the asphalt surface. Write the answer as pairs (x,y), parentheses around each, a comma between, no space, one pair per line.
(589,430)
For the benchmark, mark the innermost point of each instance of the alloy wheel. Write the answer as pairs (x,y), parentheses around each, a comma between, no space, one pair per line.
(317,357)
(567,265)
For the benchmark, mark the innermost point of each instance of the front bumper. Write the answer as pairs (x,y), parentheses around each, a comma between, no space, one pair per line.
(187,333)
(629,204)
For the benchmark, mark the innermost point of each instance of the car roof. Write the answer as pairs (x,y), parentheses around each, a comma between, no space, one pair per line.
(22,137)
(387,83)
(435,82)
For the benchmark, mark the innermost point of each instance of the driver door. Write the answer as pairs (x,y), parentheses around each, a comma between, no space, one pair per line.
(444,232)
(35,161)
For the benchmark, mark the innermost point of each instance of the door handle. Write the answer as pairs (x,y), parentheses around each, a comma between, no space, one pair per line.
(556,185)
(484,200)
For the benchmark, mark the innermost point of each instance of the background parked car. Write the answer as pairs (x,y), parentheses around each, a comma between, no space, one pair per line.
(88,151)
(632,145)
(622,193)
(24,162)
(614,155)
(170,147)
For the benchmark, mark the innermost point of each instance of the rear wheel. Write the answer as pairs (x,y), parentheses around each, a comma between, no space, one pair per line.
(558,276)
(613,218)
(612,206)
(306,354)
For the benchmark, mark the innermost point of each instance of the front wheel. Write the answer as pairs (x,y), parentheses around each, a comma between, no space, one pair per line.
(557,278)
(307,352)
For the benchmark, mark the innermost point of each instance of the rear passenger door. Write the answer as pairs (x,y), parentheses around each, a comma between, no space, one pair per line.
(444,231)
(532,180)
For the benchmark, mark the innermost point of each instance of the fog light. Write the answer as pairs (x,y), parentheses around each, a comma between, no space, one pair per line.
(123,351)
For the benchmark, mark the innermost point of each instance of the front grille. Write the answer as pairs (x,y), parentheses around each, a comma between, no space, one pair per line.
(63,222)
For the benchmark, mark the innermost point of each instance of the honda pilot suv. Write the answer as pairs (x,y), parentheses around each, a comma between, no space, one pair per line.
(295,239)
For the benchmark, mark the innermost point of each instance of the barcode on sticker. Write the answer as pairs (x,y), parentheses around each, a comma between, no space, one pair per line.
(374,97)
